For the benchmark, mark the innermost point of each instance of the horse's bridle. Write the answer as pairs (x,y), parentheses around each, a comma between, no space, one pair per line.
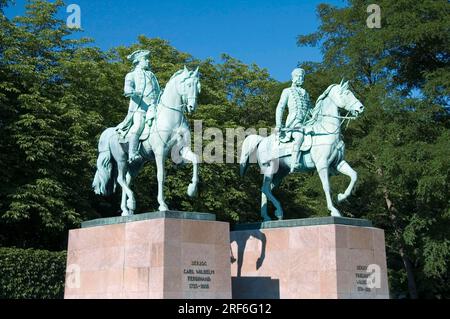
(340,117)
(343,118)
(184,98)
(180,108)
(343,107)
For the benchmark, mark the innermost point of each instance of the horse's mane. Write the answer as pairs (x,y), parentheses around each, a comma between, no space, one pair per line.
(170,80)
(167,84)
(177,74)
(318,107)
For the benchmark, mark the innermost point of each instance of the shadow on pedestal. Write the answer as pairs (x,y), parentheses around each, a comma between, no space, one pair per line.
(313,258)
(255,288)
(241,242)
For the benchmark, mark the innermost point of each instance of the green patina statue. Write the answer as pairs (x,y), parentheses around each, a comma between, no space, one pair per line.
(298,102)
(142,87)
(318,138)
(155,127)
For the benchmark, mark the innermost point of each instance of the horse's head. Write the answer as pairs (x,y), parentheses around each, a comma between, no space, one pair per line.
(345,99)
(188,87)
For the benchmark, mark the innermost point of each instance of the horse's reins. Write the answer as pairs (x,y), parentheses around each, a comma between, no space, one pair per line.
(181,108)
(346,117)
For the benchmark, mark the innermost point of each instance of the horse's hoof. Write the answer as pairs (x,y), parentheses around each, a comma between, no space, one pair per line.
(335,213)
(131,204)
(266,218)
(279,214)
(192,190)
(125,214)
(340,198)
(163,208)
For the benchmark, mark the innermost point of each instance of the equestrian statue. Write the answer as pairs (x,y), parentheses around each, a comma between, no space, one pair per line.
(155,126)
(310,140)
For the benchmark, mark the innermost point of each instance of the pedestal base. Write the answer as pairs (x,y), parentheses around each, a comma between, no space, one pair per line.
(154,255)
(326,257)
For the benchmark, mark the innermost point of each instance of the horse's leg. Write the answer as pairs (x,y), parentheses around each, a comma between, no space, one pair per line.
(322,169)
(275,183)
(264,214)
(159,158)
(123,204)
(278,177)
(132,172)
(345,168)
(128,178)
(267,190)
(190,156)
(121,179)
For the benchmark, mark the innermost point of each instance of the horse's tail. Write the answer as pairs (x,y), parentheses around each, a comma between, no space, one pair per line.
(249,146)
(105,177)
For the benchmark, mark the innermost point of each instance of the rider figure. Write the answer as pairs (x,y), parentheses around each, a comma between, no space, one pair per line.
(142,87)
(298,103)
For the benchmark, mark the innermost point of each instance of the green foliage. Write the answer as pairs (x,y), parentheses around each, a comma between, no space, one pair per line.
(31,274)
(400,147)
(57,96)
(46,149)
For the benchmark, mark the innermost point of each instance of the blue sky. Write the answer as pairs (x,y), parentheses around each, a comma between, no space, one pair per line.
(259,31)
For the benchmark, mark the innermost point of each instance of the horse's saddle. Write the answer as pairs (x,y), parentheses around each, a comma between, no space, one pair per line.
(145,133)
(123,139)
(272,148)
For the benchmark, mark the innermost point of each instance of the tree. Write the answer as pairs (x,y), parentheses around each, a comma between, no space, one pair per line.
(400,145)
(57,96)
(46,150)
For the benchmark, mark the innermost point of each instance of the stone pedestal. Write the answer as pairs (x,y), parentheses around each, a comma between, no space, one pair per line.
(329,257)
(152,255)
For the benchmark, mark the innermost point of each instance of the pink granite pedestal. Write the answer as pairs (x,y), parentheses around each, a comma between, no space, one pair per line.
(151,258)
(332,261)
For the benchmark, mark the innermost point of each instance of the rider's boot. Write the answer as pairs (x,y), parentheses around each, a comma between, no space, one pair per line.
(133,141)
(294,158)
(295,152)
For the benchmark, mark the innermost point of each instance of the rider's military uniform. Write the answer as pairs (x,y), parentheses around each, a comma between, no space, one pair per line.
(143,89)
(298,102)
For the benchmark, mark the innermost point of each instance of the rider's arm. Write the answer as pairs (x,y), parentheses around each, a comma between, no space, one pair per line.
(280,108)
(128,89)
(153,98)
(155,91)
(308,99)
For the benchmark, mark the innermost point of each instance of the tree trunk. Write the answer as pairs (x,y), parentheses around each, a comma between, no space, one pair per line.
(409,272)
(412,288)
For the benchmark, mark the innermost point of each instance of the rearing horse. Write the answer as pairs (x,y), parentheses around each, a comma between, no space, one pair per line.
(170,131)
(322,149)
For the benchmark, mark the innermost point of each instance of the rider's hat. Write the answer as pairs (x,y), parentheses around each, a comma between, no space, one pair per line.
(136,55)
